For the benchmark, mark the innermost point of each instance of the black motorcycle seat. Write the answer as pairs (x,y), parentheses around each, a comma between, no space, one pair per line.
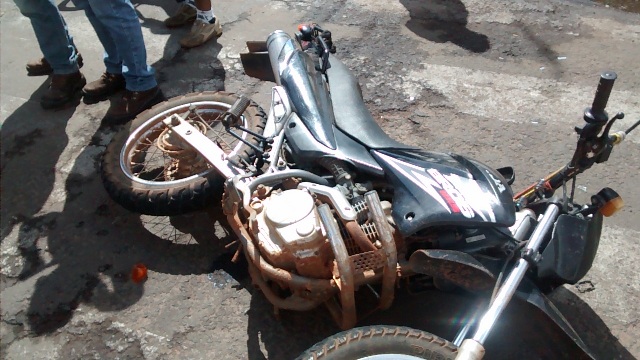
(351,114)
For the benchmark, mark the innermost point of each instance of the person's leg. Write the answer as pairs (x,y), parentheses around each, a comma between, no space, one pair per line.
(205,11)
(120,21)
(111,57)
(203,5)
(57,47)
(53,37)
(186,14)
(204,28)
(112,79)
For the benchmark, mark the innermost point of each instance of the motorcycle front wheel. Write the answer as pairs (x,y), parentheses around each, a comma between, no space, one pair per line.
(381,343)
(145,171)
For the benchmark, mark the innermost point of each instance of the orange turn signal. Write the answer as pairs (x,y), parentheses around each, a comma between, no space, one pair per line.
(612,206)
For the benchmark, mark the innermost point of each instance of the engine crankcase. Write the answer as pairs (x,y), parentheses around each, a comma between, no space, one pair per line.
(290,235)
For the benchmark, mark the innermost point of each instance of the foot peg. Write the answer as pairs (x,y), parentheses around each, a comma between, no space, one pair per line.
(237,109)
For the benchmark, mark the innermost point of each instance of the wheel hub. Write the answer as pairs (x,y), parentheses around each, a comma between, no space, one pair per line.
(184,161)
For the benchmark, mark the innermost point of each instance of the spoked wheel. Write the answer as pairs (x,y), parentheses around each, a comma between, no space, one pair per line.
(381,343)
(146,170)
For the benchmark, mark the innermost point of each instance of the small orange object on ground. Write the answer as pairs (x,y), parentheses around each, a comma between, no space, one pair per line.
(138,273)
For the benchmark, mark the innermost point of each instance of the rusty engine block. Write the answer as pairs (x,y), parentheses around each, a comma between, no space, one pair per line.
(307,245)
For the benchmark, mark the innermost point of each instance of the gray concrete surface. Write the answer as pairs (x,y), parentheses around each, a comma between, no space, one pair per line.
(501,81)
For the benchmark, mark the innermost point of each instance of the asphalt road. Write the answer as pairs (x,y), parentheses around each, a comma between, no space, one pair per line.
(501,81)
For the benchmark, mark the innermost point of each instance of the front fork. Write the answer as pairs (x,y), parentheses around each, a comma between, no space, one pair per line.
(473,348)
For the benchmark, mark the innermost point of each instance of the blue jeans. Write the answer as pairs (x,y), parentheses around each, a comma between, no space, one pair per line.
(51,31)
(118,28)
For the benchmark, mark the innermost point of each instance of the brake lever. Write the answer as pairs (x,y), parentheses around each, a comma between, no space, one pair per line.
(605,133)
(614,139)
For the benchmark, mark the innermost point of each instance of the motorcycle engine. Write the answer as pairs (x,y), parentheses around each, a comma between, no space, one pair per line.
(290,235)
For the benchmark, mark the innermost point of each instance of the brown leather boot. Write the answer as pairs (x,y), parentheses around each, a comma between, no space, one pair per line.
(99,90)
(131,104)
(63,88)
(41,67)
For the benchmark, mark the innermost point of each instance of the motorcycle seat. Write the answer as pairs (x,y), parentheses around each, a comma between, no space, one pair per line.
(351,113)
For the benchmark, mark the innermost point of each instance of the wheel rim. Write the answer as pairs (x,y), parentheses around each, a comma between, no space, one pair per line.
(143,161)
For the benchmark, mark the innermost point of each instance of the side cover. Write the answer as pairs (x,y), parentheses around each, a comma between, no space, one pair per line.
(435,189)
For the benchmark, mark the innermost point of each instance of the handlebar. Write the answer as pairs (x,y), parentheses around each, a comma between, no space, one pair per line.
(602,95)
(590,143)
(557,178)
(312,35)
(592,146)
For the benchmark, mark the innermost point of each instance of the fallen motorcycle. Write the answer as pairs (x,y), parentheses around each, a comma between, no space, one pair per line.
(325,205)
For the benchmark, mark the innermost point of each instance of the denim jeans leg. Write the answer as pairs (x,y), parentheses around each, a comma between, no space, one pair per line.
(53,36)
(111,57)
(120,20)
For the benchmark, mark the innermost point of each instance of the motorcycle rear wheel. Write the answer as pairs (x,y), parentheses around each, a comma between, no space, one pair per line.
(143,173)
(381,342)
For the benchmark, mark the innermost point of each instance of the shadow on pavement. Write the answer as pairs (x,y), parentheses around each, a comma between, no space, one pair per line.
(271,336)
(444,21)
(523,332)
(32,141)
(593,331)
(83,250)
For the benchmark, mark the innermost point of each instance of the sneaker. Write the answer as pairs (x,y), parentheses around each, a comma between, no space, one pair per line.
(62,89)
(200,33)
(41,67)
(185,15)
(131,104)
(99,90)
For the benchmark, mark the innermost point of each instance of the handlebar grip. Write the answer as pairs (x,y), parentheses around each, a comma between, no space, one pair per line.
(605,85)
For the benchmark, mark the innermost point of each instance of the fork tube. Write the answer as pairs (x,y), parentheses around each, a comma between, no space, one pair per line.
(471,320)
(517,274)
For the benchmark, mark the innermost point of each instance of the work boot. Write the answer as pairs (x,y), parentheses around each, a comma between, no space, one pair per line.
(63,88)
(99,90)
(185,15)
(131,104)
(200,33)
(41,67)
